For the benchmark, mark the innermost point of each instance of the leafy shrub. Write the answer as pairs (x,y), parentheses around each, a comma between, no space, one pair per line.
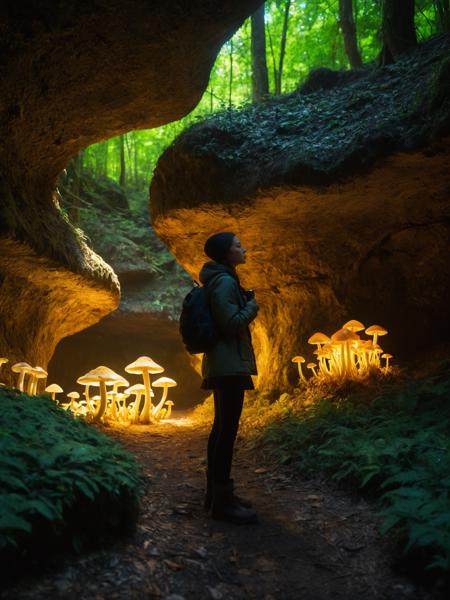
(396,446)
(62,482)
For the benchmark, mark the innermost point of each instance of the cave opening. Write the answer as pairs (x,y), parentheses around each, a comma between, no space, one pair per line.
(115,222)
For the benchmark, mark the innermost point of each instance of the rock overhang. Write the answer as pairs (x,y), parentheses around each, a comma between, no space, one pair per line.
(360,229)
(72,75)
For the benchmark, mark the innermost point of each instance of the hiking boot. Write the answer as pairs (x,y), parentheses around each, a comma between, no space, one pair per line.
(225,508)
(208,495)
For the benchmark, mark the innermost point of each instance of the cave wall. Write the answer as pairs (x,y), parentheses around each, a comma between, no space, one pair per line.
(72,74)
(372,248)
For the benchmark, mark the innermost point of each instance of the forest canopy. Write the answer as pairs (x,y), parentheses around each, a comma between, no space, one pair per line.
(272,53)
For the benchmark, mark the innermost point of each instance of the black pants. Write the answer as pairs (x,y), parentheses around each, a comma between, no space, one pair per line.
(227,411)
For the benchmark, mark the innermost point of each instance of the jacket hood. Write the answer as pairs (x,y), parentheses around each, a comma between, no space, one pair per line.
(212,269)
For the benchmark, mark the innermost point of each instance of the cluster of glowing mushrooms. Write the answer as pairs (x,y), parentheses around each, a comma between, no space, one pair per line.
(131,405)
(345,355)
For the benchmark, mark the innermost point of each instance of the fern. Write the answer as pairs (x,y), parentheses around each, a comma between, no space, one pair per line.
(397,443)
(49,463)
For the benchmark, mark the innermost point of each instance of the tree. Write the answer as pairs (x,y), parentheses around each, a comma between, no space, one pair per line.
(123,174)
(398,29)
(443,12)
(279,71)
(348,28)
(260,78)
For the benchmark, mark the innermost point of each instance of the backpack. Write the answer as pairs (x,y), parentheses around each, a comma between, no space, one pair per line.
(197,327)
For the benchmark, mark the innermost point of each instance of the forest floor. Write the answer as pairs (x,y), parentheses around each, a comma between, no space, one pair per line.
(313,540)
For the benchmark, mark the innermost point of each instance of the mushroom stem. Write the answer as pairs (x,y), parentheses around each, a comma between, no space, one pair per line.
(102,403)
(137,404)
(88,398)
(146,411)
(160,404)
(300,372)
(30,384)
(21,381)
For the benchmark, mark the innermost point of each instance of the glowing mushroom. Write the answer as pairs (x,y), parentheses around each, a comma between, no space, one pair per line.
(145,366)
(138,390)
(169,405)
(36,374)
(102,376)
(165,383)
(312,366)
(23,369)
(74,396)
(115,396)
(386,356)
(376,330)
(341,339)
(319,339)
(299,360)
(54,389)
(87,381)
(353,326)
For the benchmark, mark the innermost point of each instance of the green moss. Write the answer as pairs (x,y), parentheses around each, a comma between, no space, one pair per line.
(314,136)
(63,483)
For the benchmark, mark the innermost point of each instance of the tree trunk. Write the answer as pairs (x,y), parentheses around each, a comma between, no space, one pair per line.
(443,11)
(282,47)
(260,78)
(398,29)
(348,27)
(122,177)
(135,155)
(230,87)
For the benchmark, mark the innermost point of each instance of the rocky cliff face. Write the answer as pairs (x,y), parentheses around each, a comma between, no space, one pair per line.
(73,74)
(341,195)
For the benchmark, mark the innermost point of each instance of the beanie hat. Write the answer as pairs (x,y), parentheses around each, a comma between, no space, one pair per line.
(218,245)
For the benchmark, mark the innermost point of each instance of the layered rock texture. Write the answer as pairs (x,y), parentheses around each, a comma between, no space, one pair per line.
(73,74)
(341,194)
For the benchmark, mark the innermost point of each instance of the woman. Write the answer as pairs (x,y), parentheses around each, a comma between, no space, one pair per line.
(227,370)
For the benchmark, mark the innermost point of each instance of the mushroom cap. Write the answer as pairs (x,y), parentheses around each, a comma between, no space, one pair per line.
(101,373)
(54,388)
(298,359)
(136,388)
(376,329)
(21,366)
(386,355)
(144,363)
(39,372)
(318,338)
(74,395)
(3,360)
(343,335)
(353,326)
(164,382)
(311,365)
(169,402)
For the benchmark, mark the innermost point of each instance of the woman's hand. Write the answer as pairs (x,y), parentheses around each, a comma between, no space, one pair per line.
(253,304)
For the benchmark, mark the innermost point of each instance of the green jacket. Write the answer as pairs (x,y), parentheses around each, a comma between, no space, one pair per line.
(233,353)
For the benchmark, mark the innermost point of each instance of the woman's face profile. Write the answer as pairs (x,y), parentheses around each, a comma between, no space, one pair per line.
(236,253)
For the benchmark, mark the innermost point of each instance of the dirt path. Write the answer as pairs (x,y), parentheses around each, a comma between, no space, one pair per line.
(312,542)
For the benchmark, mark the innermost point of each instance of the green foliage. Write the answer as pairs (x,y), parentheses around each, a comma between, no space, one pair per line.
(313,40)
(395,446)
(59,478)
